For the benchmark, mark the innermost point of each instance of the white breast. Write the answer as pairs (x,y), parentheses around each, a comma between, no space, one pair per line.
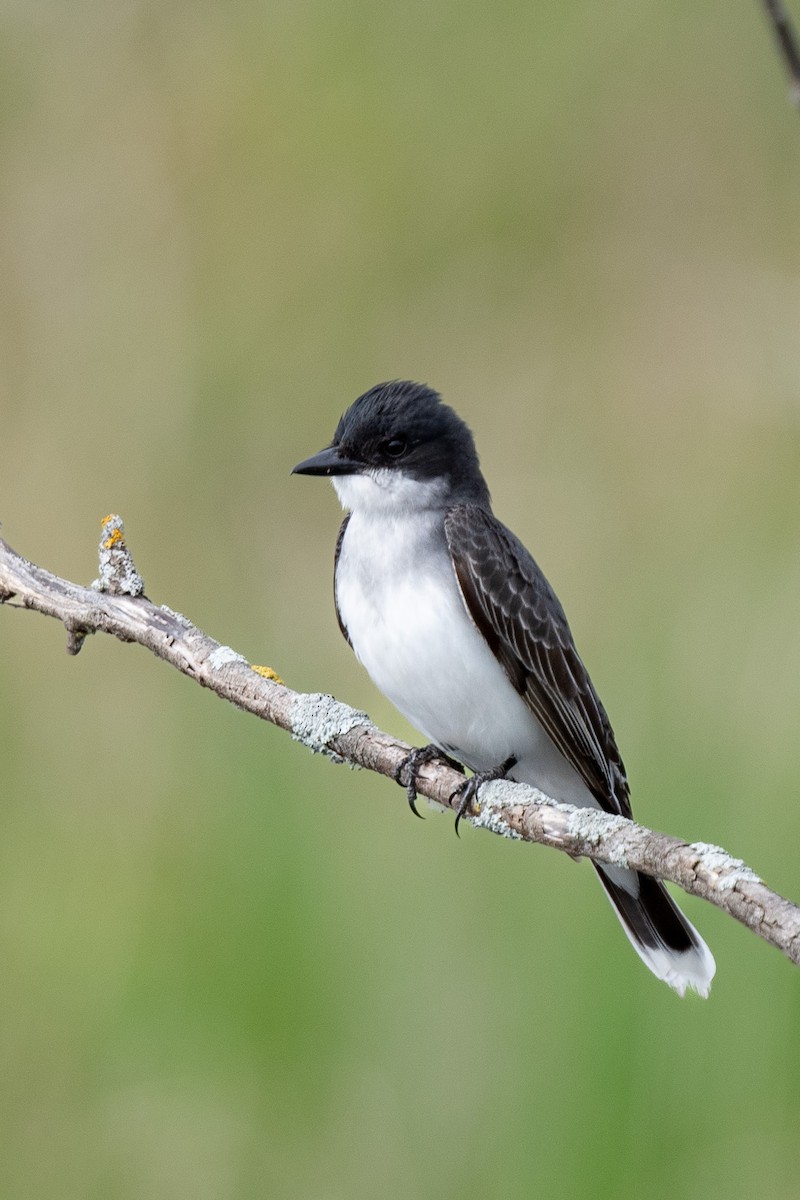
(399,600)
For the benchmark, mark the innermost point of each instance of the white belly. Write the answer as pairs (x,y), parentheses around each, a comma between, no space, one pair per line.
(408,625)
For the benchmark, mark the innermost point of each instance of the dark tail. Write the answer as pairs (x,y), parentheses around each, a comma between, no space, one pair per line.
(658,931)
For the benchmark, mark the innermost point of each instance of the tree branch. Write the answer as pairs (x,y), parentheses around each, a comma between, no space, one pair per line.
(116,604)
(788,48)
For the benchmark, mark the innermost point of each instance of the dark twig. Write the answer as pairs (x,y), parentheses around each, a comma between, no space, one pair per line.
(787,44)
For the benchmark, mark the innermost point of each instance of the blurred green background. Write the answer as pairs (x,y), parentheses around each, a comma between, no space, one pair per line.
(229,969)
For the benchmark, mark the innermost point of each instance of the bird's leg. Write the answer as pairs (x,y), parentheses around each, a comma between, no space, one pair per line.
(412,763)
(469,790)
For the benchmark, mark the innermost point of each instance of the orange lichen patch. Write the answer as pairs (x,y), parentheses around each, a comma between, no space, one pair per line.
(266,673)
(115,536)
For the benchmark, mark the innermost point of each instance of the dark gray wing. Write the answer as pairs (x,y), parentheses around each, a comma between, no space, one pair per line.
(339,541)
(518,613)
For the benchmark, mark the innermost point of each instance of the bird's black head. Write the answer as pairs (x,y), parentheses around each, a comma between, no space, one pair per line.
(404,429)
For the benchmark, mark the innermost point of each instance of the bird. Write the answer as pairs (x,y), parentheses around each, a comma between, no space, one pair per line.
(459,628)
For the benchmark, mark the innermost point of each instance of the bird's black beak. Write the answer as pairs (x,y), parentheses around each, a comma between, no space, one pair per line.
(330,461)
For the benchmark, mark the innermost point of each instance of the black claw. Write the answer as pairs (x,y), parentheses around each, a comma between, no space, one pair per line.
(411,793)
(469,790)
(412,763)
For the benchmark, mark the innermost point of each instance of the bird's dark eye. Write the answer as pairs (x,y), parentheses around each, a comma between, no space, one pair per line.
(394,447)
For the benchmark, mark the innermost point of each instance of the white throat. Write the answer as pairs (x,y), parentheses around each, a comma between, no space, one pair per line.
(389,493)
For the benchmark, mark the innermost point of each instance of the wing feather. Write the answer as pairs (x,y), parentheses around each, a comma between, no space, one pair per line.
(339,540)
(516,610)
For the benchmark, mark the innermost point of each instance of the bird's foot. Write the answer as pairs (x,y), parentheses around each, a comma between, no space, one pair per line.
(406,774)
(468,791)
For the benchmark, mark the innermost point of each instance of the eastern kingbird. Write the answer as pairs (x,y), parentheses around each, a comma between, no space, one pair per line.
(458,627)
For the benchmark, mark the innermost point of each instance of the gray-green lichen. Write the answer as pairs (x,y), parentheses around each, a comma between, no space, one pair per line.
(729,870)
(563,823)
(118,576)
(317,719)
(593,826)
(176,616)
(497,796)
(504,793)
(222,656)
(492,819)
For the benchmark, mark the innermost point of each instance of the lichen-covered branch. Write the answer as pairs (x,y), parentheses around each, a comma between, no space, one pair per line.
(116,605)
